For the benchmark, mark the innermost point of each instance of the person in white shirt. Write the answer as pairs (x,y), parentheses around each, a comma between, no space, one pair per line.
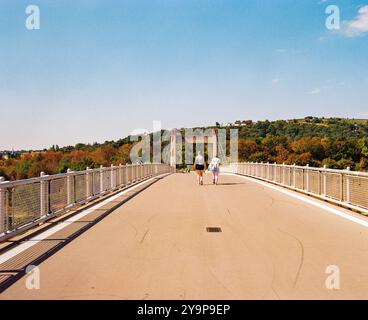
(199,166)
(214,167)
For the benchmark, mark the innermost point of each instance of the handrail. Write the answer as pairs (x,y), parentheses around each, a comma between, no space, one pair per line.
(25,203)
(343,187)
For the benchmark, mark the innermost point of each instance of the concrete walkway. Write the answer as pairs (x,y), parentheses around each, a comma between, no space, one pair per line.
(155,246)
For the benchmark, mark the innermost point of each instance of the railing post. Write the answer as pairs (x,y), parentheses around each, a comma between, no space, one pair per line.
(128,174)
(69,187)
(2,207)
(324,181)
(43,196)
(256,169)
(347,181)
(275,172)
(121,177)
(101,179)
(307,178)
(112,177)
(261,169)
(88,183)
(294,175)
(283,174)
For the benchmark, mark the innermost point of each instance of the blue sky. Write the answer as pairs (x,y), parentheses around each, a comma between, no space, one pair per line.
(96,70)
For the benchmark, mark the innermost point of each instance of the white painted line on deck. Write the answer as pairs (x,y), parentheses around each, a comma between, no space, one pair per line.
(313,202)
(33,241)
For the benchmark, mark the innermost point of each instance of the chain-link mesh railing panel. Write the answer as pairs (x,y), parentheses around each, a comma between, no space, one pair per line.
(113,177)
(116,177)
(259,171)
(58,194)
(358,187)
(80,187)
(72,190)
(127,174)
(333,185)
(270,172)
(118,180)
(314,181)
(96,183)
(6,204)
(25,204)
(46,205)
(135,172)
(287,176)
(107,180)
(299,178)
(292,177)
(278,174)
(124,176)
(262,171)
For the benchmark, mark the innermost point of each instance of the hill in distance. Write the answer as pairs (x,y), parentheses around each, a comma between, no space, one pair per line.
(334,142)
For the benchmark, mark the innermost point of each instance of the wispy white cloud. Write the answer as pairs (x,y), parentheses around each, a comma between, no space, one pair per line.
(314,91)
(322,1)
(358,26)
(280,50)
(288,51)
(275,80)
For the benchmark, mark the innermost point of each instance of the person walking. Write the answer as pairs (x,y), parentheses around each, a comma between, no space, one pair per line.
(214,167)
(199,166)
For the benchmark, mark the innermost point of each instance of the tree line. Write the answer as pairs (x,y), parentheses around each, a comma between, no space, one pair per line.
(334,142)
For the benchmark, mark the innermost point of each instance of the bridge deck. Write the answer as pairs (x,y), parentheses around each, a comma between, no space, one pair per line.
(156,246)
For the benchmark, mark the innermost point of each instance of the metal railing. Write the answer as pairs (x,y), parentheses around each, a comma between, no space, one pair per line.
(343,187)
(25,203)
